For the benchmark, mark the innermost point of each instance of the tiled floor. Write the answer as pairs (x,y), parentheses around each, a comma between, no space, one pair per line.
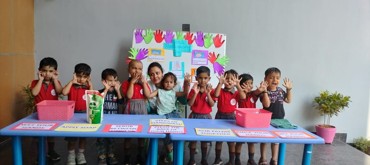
(338,153)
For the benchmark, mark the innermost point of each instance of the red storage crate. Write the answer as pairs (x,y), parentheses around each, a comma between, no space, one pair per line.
(253,118)
(55,109)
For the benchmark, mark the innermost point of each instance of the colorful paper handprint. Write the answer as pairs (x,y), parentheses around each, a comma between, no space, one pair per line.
(218,62)
(168,37)
(189,37)
(217,41)
(199,40)
(208,40)
(138,54)
(179,36)
(158,36)
(139,36)
(148,36)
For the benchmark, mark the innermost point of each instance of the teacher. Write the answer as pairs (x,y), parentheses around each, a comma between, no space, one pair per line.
(155,72)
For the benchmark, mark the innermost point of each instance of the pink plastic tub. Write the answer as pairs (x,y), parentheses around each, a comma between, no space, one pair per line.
(55,109)
(253,118)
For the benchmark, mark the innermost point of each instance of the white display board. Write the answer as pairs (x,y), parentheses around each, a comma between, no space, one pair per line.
(180,52)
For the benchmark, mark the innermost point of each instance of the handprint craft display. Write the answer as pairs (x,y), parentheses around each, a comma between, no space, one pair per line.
(169,47)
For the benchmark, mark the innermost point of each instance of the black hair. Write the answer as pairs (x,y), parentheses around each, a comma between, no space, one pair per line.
(83,69)
(108,72)
(272,70)
(48,61)
(203,69)
(231,71)
(245,77)
(168,74)
(154,64)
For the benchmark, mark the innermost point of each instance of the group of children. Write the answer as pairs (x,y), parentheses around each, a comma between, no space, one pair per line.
(140,96)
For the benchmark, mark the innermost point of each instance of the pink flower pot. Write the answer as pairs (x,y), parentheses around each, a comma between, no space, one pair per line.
(327,132)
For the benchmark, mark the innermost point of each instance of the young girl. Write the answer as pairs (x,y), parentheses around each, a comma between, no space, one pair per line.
(246,83)
(226,104)
(166,102)
(200,101)
(132,90)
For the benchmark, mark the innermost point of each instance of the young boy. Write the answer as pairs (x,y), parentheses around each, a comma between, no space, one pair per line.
(226,103)
(112,97)
(277,97)
(75,90)
(47,87)
(201,101)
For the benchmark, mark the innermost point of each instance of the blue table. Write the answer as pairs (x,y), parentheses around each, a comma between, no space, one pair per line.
(191,135)
(81,118)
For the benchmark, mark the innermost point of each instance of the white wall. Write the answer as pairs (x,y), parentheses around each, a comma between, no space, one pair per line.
(318,44)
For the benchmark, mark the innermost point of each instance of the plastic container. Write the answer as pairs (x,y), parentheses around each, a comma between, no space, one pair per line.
(55,109)
(253,118)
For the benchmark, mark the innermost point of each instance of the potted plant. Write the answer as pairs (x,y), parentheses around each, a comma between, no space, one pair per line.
(329,104)
(362,144)
(29,100)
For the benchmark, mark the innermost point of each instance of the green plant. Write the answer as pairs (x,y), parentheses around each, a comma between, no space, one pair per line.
(362,144)
(330,104)
(29,102)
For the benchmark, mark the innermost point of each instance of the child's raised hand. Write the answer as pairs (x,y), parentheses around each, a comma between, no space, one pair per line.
(105,83)
(221,79)
(74,79)
(135,77)
(143,79)
(195,87)
(287,84)
(41,75)
(117,85)
(89,81)
(263,86)
(209,88)
(187,78)
(236,80)
(246,88)
(55,76)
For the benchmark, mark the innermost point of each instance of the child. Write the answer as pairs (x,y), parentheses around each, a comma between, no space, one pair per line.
(246,82)
(166,102)
(47,87)
(200,101)
(112,97)
(277,97)
(75,90)
(226,104)
(133,92)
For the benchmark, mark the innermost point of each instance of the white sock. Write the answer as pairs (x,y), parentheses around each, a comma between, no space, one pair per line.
(71,152)
(81,150)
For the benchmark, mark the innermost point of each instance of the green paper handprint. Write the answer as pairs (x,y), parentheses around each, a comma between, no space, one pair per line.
(208,40)
(223,60)
(179,36)
(148,36)
(133,53)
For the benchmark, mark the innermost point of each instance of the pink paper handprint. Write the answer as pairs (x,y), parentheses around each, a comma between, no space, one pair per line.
(168,37)
(189,37)
(139,36)
(158,36)
(199,40)
(217,41)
